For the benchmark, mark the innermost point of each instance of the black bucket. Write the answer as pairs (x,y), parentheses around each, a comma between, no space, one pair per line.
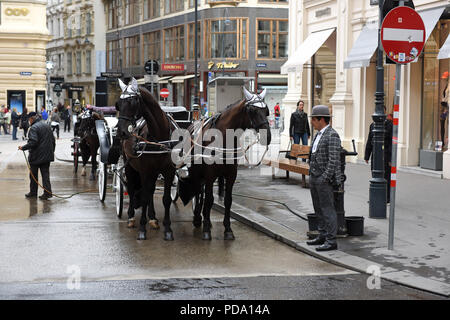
(312,221)
(355,226)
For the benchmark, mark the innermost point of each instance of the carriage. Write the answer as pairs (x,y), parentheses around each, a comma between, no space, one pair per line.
(111,167)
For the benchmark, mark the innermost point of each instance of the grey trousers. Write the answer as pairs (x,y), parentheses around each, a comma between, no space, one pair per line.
(323,202)
(45,173)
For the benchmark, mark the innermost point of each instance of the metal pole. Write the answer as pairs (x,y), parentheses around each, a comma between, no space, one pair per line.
(151,80)
(196,102)
(394,152)
(377,189)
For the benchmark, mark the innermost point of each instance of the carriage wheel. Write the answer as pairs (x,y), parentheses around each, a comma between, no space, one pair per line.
(118,187)
(75,157)
(102,180)
(174,189)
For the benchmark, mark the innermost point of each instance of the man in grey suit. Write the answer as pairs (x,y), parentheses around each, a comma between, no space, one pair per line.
(325,172)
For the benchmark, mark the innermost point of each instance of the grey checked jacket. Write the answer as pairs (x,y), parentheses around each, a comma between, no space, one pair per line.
(327,158)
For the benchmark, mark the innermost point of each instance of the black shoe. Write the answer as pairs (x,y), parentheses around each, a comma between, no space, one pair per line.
(316,241)
(30,195)
(45,196)
(327,247)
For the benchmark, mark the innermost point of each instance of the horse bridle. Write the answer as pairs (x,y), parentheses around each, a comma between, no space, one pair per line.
(137,116)
(252,103)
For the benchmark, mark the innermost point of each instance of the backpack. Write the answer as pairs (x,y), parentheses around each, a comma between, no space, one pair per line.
(277,111)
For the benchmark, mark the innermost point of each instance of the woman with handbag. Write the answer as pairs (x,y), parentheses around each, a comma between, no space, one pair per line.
(55,119)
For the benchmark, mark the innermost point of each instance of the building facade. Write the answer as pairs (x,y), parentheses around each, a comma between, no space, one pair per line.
(332,61)
(23,39)
(77,49)
(235,39)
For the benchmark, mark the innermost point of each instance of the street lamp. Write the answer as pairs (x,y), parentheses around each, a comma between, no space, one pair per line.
(49,65)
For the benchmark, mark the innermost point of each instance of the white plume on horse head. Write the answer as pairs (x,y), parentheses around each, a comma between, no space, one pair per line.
(134,85)
(248,95)
(263,93)
(122,85)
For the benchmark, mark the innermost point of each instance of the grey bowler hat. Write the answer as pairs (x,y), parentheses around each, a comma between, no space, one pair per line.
(320,111)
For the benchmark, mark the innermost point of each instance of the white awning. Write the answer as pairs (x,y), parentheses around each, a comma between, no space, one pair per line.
(364,47)
(430,18)
(444,52)
(180,79)
(164,79)
(306,50)
(272,76)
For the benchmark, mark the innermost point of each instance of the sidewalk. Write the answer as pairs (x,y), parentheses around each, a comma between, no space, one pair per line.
(421,255)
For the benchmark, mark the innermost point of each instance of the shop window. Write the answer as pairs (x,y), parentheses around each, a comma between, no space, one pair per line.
(435,93)
(272,38)
(152,46)
(227,38)
(174,44)
(324,76)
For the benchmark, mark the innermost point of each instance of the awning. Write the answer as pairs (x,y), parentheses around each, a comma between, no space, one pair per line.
(180,79)
(306,50)
(444,53)
(364,47)
(164,79)
(272,76)
(430,18)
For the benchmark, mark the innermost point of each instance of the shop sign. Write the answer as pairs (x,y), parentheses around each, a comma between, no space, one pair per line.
(57,88)
(26,73)
(172,67)
(261,65)
(222,65)
(17,12)
(111,74)
(56,79)
(76,88)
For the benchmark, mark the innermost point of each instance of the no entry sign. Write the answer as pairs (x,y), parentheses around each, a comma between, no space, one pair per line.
(164,93)
(402,35)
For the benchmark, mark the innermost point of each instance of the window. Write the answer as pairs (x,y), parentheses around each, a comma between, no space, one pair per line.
(227,38)
(272,39)
(132,48)
(88,62)
(131,12)
(152,46)
(114,14)
(151,9)
(174,44)
(69,63)
(78,61)
(114,54)
(88,23)
(191,43)
(173,6)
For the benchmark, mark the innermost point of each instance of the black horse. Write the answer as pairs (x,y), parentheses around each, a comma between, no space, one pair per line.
(249,113)
(89,142)
(142,171)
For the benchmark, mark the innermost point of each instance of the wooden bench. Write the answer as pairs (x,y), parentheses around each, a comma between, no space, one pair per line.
(293,163)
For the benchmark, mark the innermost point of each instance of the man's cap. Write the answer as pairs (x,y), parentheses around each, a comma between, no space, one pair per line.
(320,111)
(32,114)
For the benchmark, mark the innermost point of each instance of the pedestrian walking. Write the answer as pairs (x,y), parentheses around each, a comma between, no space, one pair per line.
(55,119)
(3,120)
(277,114)
(368,154)
(15,121)
(299,125)
(325,175)
(24,125)
(41,144)
(67,116)
(8,118)
(44,114)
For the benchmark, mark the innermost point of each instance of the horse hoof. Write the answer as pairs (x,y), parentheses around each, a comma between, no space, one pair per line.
(168,236)
(229,235)
(197,223)
(131,223)
(154,224)
(207,236)
(141,235)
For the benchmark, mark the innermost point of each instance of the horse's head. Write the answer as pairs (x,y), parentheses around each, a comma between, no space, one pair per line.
(258,112)
(129,107)
(87,123)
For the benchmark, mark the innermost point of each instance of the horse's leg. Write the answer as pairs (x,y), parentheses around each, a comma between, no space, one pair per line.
(167,201)
(197,222)
(231,178)
(133,184)
(208,203)
(153,222)
(94,162)
(142,232)
(148,183)
(221,186)
(85,154)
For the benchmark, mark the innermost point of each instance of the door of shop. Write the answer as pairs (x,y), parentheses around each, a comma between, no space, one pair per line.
(16,99)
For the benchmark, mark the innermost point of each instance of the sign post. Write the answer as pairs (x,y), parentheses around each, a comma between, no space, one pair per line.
(164,93)
(403,39)
(152,68)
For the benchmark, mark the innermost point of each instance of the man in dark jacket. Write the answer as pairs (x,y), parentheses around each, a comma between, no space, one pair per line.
(41,144)
(388,127)
(299,126)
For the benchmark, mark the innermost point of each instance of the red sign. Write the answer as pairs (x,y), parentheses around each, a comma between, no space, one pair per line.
(164,93)
(172,67)
(402,35)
